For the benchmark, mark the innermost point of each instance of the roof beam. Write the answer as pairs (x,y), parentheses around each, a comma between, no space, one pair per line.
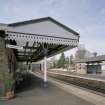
(37,52)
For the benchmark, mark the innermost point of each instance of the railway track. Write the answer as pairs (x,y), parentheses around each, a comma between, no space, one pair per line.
(94,85)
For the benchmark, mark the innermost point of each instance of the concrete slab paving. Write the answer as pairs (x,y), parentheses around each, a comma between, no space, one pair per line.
(85,94)
(33,93)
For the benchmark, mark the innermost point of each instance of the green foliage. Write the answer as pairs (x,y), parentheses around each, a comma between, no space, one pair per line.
(67,63)
(54,64)
(61,61)
(9,83)
(71,60)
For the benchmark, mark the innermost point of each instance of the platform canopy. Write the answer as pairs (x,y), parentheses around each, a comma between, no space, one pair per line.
(39,36)
(94,59)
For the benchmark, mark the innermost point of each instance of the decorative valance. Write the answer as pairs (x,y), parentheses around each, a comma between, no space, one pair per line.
(40,38)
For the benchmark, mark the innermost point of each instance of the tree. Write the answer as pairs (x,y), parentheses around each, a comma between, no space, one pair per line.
(54,62)
(61,61)
(80,54)
(95,54)
(71,60)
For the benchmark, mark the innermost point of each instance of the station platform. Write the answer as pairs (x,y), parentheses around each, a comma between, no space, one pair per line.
(32,92)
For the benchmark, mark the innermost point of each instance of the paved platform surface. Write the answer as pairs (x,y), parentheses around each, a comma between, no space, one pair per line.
(32,92)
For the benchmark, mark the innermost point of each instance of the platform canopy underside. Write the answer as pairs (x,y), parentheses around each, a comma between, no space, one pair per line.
(37,36)
(34,45)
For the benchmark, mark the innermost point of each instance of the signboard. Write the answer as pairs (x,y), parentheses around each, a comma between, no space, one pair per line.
(14,47)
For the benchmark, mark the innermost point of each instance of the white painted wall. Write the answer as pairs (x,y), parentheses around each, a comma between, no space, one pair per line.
(103,67)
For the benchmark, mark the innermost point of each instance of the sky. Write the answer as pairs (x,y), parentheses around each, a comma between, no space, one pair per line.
(87,17)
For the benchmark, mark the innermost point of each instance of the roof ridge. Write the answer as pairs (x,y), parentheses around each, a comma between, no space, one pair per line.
(30,20)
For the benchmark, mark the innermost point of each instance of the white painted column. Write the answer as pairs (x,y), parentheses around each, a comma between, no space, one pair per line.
(45,69)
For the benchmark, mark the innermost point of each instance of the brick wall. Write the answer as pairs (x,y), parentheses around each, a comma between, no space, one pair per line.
(7,65)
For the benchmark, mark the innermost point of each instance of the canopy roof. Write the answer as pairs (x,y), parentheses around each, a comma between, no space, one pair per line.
(91,59)
(39,34)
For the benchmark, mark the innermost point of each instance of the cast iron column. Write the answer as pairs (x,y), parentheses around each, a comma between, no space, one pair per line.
(45,67)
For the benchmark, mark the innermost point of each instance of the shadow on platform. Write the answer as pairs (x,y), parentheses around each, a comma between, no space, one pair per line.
(30,82)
